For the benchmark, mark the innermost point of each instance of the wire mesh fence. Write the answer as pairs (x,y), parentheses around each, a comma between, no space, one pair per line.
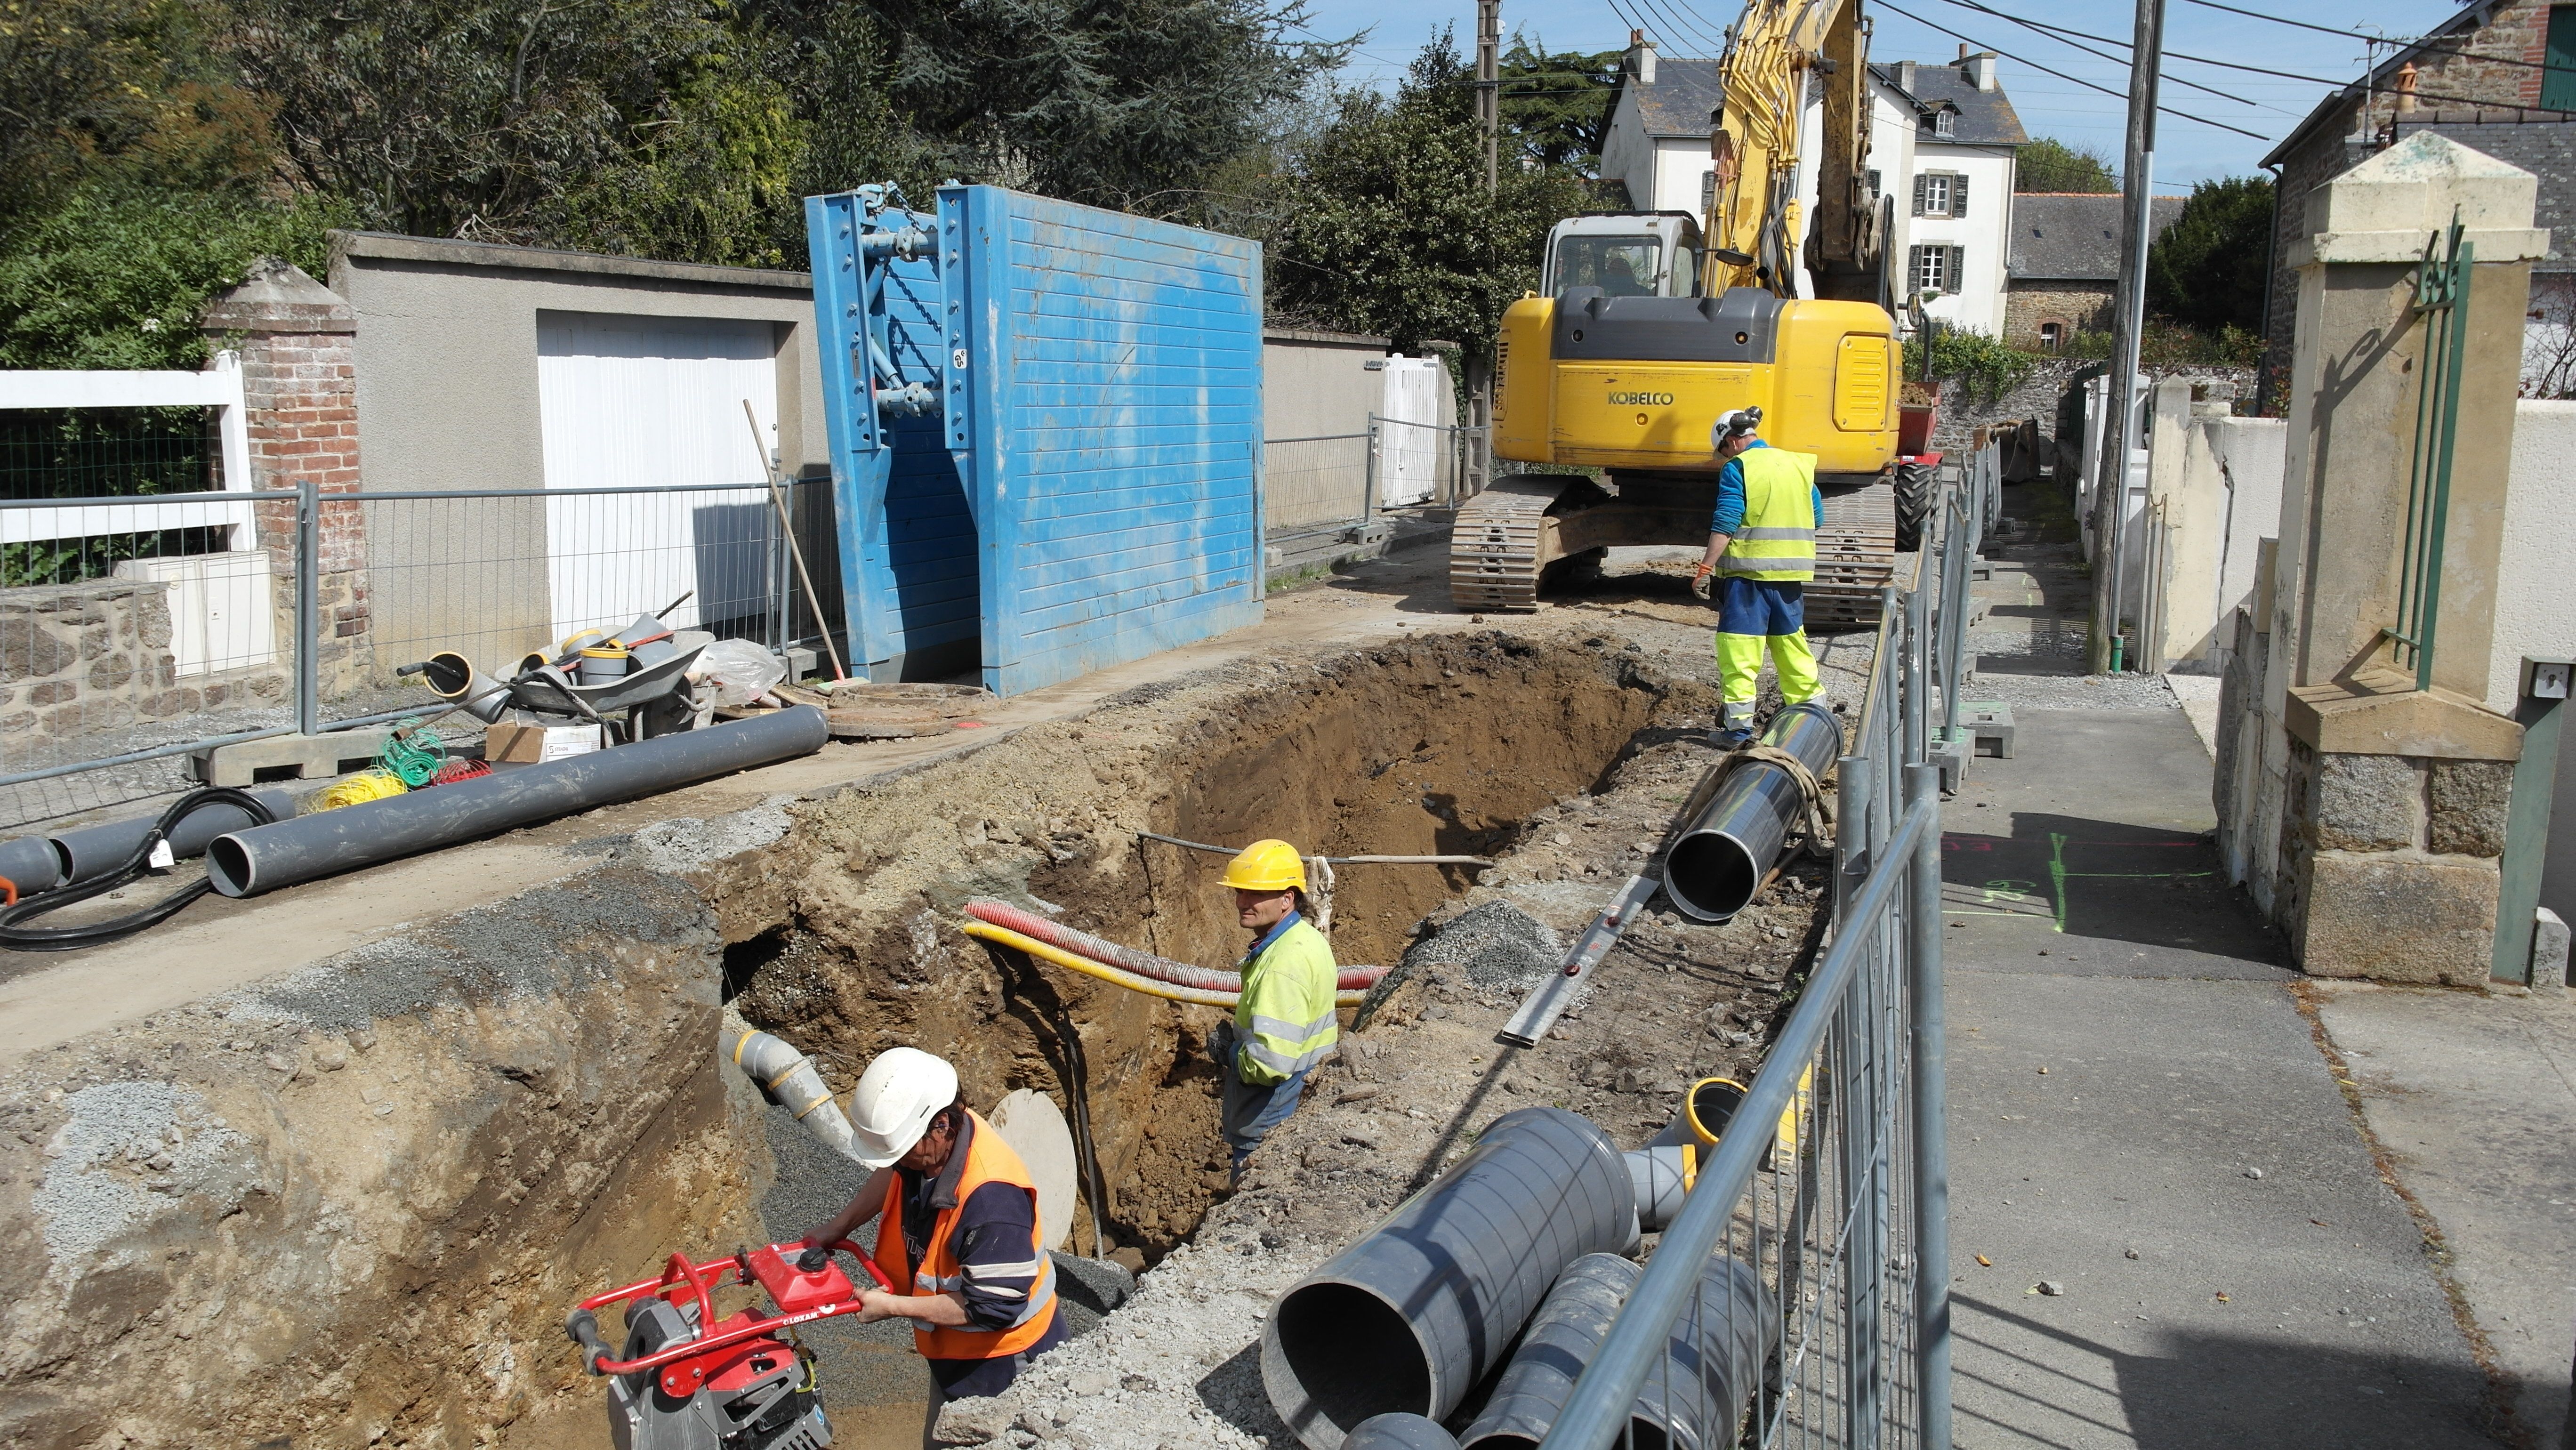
(1316,482)
(1800,1296)
(110,678)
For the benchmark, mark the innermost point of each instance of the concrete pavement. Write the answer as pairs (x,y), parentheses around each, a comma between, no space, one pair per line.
(2168,1225)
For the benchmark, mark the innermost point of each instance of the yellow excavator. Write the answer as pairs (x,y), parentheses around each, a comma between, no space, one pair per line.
(1645,336)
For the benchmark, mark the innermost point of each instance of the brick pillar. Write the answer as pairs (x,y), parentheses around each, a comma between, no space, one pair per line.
(297,342)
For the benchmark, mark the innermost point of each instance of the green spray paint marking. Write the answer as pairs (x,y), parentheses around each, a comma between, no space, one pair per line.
(2058,875)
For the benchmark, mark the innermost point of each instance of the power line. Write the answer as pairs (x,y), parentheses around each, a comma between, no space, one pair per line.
(2057,33)
(2400,41)
(2206,60)
(2061,75)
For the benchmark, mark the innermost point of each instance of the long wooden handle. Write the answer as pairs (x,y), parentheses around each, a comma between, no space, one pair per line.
(788,525)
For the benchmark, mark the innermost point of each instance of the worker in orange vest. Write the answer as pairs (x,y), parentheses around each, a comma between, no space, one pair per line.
(957,1220)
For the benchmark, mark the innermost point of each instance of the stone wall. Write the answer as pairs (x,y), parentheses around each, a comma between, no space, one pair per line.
(2080,306)
(2370,841)
(80,658)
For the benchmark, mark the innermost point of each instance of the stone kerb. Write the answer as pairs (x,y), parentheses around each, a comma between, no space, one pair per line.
(297,341)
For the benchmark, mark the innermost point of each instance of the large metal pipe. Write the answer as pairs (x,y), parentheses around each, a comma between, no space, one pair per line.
(93,851)
(1414,1314)
(1716,867)
(1695,1399)
(264,858)
(1561,1339)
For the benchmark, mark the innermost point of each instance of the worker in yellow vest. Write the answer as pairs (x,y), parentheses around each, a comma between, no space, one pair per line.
(1283,1023)
(957,1227)
(1762,552)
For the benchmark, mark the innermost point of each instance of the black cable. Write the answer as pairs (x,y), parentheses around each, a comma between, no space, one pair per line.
(2059,33)
(2061,75)
(2304,25)
(94,933)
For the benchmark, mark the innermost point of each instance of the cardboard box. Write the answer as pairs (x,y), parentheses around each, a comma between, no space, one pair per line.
(507,744)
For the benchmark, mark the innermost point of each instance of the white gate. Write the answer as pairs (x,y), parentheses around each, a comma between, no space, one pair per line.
(1409,436)
(627,401)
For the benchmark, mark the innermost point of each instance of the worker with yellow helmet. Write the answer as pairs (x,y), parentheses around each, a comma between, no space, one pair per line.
(1283,1024)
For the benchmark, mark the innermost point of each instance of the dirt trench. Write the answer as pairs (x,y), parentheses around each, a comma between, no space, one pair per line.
(843,938)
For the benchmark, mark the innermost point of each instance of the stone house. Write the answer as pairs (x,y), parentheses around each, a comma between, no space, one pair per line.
(2063,271)
(2482,78)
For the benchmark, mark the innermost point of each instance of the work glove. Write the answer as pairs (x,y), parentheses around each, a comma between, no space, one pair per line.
(1702,583)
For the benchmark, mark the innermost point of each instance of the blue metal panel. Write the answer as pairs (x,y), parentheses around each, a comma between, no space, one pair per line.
(1109,416)
(908,555)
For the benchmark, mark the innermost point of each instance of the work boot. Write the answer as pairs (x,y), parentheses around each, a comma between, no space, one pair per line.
(1731,737)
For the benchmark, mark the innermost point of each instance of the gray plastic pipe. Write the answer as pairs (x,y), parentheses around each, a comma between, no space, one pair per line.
(1414,1314)
(1655,1173)
(1695,1399)
(1561,1339)
(264,858)
(1716,867)
(93,851)
(32,864)
(1400,1432)
(791,1078)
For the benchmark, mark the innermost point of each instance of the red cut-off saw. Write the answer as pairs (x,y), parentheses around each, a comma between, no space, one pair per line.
(691,1381)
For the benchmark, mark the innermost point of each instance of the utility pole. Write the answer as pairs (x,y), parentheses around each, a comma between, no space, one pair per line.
(1489,119)
(2111,484)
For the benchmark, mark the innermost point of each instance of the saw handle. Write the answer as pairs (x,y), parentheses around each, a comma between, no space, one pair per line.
(816,1256)
(583,1326)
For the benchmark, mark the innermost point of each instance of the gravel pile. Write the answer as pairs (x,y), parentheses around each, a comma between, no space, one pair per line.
(1497,943)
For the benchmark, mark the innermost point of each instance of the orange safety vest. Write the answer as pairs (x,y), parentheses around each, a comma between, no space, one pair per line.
(988,1160)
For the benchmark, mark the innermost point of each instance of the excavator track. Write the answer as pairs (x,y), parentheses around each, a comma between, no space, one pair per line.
(1505,538)
(1495,544)
(1855,557)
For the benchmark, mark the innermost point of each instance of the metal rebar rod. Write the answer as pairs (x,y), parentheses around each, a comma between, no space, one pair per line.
(1930,1123)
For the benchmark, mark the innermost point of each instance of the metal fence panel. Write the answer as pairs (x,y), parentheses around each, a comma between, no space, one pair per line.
(1826,1203)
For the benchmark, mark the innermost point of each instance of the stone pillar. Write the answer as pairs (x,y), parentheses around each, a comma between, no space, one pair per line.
(2391,799)
(299,380)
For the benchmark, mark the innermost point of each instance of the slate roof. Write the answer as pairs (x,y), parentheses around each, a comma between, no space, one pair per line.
(1986,118)
(1680,100)
(2074,236)
(2545,148)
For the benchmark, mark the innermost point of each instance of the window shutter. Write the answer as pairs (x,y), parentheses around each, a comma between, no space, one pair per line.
(1920,182)
(1958,196)
(1913,269)
(1958,268)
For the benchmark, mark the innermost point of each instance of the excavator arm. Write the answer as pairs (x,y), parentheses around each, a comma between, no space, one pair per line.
(1753,227)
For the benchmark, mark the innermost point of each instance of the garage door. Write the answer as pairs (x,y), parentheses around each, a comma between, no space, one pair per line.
(657,401)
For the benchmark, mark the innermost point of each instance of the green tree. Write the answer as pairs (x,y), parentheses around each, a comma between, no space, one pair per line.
(2052,165)
(115,277)
(1384,225)
(1556,104)
(2207,270)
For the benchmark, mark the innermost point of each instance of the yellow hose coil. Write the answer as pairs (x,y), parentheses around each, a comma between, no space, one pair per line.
(1117,976)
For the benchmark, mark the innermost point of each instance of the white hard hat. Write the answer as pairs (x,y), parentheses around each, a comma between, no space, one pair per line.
(1735,424)
(894,1102)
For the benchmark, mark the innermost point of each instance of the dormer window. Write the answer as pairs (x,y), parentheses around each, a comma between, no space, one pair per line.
(1945,123)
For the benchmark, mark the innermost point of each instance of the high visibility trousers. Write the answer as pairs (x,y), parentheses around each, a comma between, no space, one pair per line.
(1739,671)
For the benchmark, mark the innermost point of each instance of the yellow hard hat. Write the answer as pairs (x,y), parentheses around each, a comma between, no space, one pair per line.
(1266,866)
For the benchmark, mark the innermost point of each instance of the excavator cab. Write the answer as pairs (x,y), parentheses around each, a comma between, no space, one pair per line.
(1624,254)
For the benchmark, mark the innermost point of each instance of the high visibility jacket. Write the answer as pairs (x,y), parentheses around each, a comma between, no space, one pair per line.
(1284,1020)
(1778,537)
(988,1160)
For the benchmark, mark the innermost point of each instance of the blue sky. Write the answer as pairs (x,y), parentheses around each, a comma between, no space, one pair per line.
(2049,105)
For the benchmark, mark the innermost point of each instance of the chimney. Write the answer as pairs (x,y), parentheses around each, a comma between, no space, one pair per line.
(2406,88)
(1641,57)
(1905,76)
(1979,69)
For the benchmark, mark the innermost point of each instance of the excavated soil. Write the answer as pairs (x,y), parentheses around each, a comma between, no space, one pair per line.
(845,935)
